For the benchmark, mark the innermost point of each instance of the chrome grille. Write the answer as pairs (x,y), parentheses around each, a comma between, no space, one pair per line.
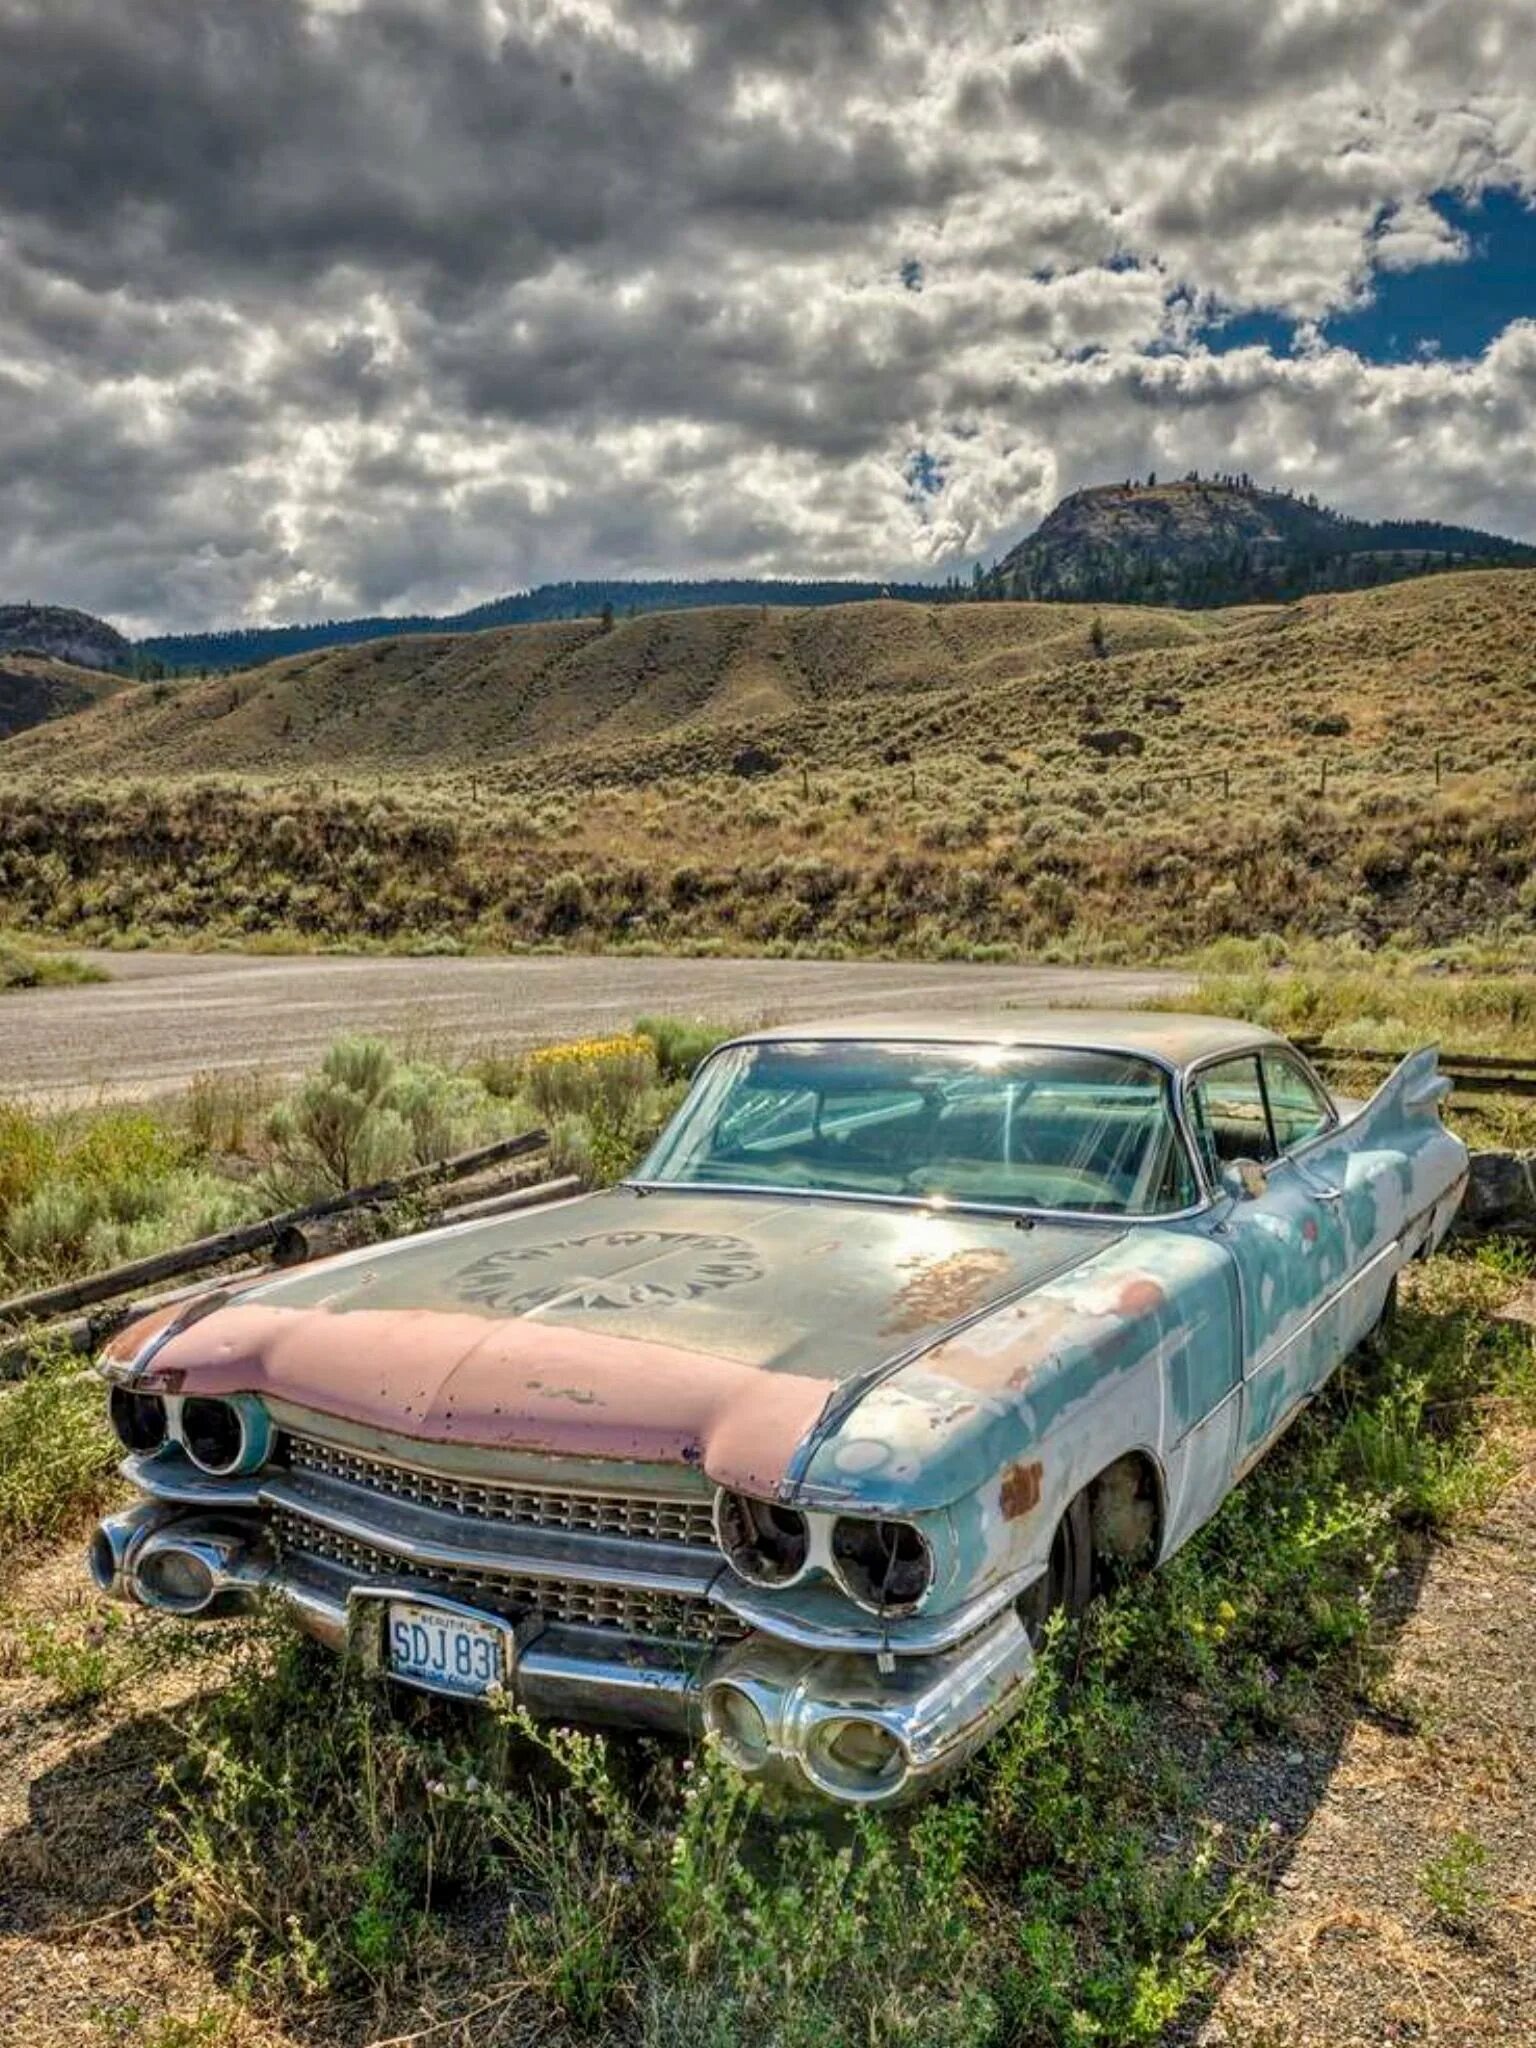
(669,1616)
(646,1518)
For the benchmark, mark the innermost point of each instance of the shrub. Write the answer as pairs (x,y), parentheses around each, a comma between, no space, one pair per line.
(679,1043)
(57,1455)
(27,1155)
(368,1116)
(575,1078)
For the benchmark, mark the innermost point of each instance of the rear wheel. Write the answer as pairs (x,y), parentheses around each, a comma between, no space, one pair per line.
(1067,1582)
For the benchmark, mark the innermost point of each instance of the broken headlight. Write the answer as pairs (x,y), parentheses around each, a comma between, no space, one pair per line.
(767,1545)
(884,1565)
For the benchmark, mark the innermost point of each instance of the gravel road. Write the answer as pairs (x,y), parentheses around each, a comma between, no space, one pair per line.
(164,1016)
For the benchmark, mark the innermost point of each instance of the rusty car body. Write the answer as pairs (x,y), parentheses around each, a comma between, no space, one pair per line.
(904,1330)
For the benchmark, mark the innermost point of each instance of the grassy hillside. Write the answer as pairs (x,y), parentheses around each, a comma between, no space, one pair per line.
(968,778)
(467,700)
(36,688)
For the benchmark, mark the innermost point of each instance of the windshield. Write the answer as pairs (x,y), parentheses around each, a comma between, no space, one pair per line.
(1006,1126)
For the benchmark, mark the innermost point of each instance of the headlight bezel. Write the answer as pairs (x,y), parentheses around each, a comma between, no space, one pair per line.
(919,1558)
(252,1432)
(141,1422)
(793,1530)
(825,1554)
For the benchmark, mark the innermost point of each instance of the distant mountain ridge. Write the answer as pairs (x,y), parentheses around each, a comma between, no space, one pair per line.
(246,646)
(1223,540)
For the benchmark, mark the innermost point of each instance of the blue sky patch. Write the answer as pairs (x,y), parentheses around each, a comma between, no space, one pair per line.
(924,474)
(1437,309)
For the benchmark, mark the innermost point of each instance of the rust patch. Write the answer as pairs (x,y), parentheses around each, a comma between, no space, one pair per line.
(1020,1489)
(125,1346)
(1140,1295)
(942,1290)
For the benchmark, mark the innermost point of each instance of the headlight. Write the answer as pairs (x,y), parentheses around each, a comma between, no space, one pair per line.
(225,1437)
(767,1545)
(138,1419)
(885,1566)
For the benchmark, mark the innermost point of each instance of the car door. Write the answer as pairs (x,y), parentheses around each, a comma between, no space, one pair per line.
(1286,1238)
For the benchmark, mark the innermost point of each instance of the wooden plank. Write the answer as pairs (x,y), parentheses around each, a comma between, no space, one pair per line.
(1472,1073)
(84,1333)
(252,1237)
(1473,1062)
(520,1198)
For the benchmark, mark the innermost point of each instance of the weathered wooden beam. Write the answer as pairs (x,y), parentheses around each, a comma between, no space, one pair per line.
(84,1333)
(246,1238)
(520,1198)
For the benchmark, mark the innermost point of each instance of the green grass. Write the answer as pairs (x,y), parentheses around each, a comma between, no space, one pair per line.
(57,1456)
(322,1841)
(1452,1882)
(1393,1006)
(24,966)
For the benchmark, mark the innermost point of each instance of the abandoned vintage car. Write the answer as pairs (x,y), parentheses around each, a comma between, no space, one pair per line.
(901,1333)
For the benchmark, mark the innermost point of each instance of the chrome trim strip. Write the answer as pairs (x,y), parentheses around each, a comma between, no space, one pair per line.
(426,1537)
(176,1478)
(1102,1219)
(912,1635)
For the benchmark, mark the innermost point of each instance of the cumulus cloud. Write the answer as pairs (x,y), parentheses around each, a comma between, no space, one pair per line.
(318,305)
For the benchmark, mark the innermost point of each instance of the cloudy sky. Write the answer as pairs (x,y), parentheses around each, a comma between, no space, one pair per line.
(320,306)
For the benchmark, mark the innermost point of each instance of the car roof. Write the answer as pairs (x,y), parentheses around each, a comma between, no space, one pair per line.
(1178,1040)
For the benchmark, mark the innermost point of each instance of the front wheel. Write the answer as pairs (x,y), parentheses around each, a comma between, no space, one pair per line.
(1067,1582)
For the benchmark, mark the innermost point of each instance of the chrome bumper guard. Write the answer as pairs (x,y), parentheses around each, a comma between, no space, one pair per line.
(854,1726)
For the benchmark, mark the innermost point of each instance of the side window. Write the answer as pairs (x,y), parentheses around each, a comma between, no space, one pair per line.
(1227,1104)
(1297,1109)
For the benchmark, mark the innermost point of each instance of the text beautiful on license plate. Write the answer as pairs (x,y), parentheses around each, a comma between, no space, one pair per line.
(442,1650)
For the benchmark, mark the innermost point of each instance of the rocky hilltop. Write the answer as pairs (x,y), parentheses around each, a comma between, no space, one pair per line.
(1225,540)
(54,630)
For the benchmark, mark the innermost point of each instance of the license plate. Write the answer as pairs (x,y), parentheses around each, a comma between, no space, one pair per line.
(443,1650)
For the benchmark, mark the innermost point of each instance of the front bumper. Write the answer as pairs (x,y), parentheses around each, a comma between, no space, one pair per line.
(857,1728)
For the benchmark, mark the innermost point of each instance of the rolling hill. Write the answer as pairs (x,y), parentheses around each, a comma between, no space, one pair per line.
(52,629)
(248,646)
(686,692)
(37,688)
(509,693)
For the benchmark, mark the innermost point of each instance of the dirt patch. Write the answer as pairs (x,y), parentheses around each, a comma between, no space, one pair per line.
(1406,1907)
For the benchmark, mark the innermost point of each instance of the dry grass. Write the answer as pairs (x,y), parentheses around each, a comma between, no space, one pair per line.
(882,777)
(35,688)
